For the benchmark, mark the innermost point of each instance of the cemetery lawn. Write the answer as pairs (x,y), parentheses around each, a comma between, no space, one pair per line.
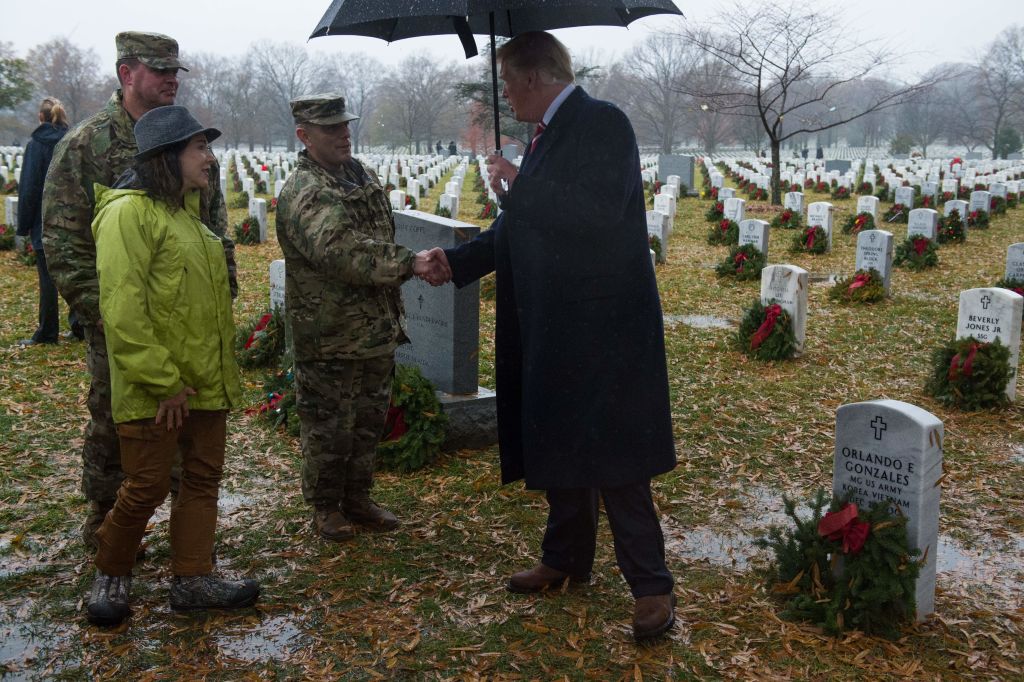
(428,602)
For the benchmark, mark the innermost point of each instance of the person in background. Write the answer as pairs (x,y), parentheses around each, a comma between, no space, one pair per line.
(53,123)
(98,151)
(165,299)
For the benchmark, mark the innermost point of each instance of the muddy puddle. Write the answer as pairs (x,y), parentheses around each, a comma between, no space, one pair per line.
(700,321)
(32,649)
(993,564)
(273,639)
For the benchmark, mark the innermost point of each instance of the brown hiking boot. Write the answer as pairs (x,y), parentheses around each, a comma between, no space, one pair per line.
(365,512)
(653,616)
(93,521)
(332,525)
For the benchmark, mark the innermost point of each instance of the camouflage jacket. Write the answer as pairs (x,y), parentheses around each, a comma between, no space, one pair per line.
(97,151)
(343,270)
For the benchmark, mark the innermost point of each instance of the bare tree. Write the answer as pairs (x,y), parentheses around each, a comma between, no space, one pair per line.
(417,97)
(651,73)
(285,72)
(361,78)
(786,64)
(998,87)
(925,119)
(61,69)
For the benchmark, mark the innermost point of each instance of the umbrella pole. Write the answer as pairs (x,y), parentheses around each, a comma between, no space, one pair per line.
(494,89)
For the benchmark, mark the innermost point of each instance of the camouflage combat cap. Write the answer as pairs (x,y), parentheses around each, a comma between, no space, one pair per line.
(155,50)
(324,109)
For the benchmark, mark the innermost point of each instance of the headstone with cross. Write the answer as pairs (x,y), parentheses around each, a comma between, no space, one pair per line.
(987,314)
(889,451)
(874,252)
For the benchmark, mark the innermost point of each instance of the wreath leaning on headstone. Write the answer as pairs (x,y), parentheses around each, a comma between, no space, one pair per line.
(27,255)
(788,219)
(917,253)
(811,240)
(951,228)
(855,224)
(897,213)
(866,286)
(240,199)
(978,219)
(743,262)
(766,332)
(247,230)
(724,232)
(654,243)
(415,426)
(1014,285)
(847,569)
(10,187)
(442,211)
(715,212)
(261,342)
(998,206)
(1012,199)
(970,374)
(6,238)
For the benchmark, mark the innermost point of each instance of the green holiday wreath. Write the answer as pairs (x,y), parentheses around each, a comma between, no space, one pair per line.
(240,200)
(261,341)
(897,213)
(442,211)
(917,253)
(951,228)
(415,425)
(810,240)
(1015,285)
(724,232)
(766,332)
(998,206)
(6,238)
(866,286)
(247,231)
(847,569)
(855,224)
(978,219)
(743,262)
(715,212)
(840,192)
(1012,199)
(970,374)
(655,245)
(788,219)
(27,255)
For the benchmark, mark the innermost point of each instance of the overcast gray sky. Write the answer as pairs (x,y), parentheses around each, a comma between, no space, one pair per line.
(930,32)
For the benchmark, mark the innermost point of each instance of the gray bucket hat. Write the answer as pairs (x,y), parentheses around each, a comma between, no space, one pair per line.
(165,126)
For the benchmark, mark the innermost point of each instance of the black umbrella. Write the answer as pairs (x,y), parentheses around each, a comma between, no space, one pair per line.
(397,19)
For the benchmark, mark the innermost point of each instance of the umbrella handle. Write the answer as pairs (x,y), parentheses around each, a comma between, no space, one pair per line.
(494,88)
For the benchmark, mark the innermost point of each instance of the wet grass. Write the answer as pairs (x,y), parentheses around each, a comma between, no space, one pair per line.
(427,602)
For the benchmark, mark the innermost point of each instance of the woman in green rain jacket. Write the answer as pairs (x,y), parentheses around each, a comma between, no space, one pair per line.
(166,312)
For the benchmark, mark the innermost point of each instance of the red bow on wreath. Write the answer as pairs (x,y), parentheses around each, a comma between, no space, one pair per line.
(767,327)
(809,237)
(967,367)
(739,260)
(920,244)
(260,326)
(394,424)
(843,525)
(859,281)
(724,225)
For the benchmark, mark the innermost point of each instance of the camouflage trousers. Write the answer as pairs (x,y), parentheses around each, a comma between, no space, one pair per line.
(341,405)
(101,452)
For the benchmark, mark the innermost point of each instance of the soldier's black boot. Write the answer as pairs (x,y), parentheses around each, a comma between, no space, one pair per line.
(108,599)
(364,511)
(210,592)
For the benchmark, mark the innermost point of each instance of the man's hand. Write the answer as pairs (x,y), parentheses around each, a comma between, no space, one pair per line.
(499,168)
(175,409)
(432,267)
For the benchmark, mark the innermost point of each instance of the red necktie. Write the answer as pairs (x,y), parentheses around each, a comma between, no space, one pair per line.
(536,135)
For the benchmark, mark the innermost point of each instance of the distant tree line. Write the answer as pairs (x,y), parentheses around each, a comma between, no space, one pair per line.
(682,89)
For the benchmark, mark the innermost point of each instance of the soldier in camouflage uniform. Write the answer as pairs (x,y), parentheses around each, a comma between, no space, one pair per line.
(343,302)
(98,151)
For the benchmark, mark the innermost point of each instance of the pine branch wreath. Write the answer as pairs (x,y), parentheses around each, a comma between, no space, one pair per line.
(856,224)
(916,253)
(810,240)
(766,332)
(970,374)
(951,228)
(788,219)
(865,286)
(247,231)
(743,262)
(415,428)
(715,212)
(261,341)
(724,232)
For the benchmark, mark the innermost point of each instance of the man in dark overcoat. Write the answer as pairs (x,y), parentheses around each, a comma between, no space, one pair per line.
(582,384)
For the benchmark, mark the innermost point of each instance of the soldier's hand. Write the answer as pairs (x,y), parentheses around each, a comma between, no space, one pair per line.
(432,267)
(175,409)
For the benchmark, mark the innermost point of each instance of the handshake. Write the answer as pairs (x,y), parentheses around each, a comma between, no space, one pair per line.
(432,267)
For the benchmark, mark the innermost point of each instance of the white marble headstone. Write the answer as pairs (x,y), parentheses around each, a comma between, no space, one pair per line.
(726,193)
(658,225)
(820,213)
(258,210)
(891,451)
(874,252)
(277,284)
(755,232)
(994,313)
(733,209)
(794,201)
(1015,262)
(923,222)
(787,286)
(980,201)
(905,196)
(868,204)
